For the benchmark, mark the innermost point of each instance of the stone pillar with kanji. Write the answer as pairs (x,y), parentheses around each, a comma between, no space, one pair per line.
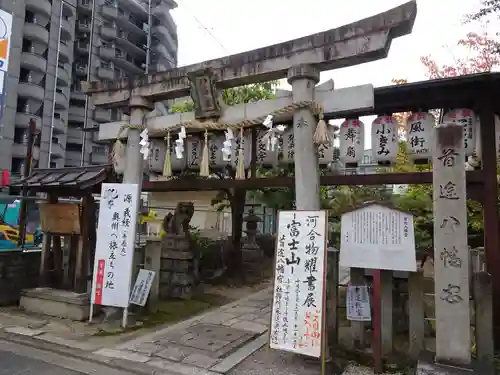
(451,255)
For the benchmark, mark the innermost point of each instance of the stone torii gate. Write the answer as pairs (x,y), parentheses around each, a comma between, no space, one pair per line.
(300,61)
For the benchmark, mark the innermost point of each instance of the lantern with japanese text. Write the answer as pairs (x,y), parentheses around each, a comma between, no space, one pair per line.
(194,149)
(157,156)
(267,153)
(384,139)
(325,153)
(420,132)
(215,144)
(351,142)
(467,118)
(288,147)
(247,150)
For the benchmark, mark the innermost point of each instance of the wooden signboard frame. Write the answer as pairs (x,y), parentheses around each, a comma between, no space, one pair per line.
(60,218)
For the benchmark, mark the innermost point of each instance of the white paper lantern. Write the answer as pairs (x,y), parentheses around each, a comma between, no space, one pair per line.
(467,118)
(157,156)
(194,150)
(288,146)
(325,154)
(384,139)
(351,141)
(247,149)
(420,133)
(214,152)
(265,156)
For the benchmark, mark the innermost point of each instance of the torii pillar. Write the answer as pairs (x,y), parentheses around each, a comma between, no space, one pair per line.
(303,79)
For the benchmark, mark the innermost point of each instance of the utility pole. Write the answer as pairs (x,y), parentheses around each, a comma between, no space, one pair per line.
(32,132)
(148,43)
(89,73)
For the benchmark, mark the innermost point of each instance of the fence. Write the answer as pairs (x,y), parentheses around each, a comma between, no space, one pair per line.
(407,312)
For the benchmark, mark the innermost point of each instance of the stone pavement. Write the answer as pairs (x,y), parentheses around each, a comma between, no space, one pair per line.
(211,343)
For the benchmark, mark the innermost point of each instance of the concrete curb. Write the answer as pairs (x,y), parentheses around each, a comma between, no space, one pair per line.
(111,363)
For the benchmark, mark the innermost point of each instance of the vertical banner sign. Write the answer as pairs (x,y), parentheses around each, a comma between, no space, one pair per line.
(5,34)
(115,245)
(451,254)
(298,310)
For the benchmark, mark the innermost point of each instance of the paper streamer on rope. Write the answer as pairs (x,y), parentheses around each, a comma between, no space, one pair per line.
(118,157)
(167,164)
(321,135)
(240,168)
(205,166)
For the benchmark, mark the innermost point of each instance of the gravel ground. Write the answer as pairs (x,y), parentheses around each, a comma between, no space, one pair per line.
(272,362)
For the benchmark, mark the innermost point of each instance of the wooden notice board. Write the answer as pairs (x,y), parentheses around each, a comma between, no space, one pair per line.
(60,218)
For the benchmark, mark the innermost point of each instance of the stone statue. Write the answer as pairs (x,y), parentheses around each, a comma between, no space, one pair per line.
(178,223)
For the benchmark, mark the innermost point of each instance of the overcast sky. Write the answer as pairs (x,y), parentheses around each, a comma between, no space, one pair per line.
(242,25)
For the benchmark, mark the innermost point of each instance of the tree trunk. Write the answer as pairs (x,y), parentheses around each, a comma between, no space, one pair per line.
(237,209)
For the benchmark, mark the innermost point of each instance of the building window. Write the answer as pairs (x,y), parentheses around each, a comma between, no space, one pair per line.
(73,147)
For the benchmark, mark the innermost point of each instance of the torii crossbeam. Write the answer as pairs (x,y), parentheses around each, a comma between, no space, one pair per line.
(356,43)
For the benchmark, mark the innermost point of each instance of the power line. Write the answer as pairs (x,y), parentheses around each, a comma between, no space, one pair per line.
(206,29)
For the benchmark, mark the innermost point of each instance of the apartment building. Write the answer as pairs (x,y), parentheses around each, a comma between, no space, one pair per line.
(50,52)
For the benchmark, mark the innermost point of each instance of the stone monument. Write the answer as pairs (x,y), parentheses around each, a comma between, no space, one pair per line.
(179,261)
(251,254)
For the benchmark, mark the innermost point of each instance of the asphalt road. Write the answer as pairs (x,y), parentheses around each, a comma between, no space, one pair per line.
(13,364)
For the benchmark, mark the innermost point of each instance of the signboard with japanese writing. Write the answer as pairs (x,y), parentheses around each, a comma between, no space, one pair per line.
(142,286)
(115,245)
(358,303)
(378,237)
(297,323)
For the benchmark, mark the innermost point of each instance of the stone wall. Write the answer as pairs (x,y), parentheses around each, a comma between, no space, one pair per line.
(178,268)
(18,270)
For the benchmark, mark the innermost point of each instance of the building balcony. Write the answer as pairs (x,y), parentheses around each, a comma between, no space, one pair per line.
(107,53)
(61,100)
(67,30)
(128,64)
(130,47)
(74,135)
(65,52)
(102,115)
(130,26)
(82,47)
(162,53)
(81,70)
(19,150)
(99,158)
(83,27)
(162,12)
(36,33)
(57,151)
(76,114)
(23,120)
(59,126)
(69,7)
(107,33)
(73,158)
(105,73)
(85,6)
(39,6)
(134,7)
(63,77)
(33,62)
(109,12)
(77,95)
(31,91)
(165,37)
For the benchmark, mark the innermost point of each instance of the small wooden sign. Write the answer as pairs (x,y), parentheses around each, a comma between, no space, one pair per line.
(60,218)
